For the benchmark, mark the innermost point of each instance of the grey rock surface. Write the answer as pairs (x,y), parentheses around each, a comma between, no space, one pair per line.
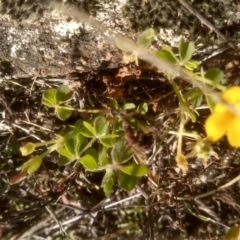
(38,40)
(48,43)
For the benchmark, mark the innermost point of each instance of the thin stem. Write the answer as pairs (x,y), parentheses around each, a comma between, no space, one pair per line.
(51,149)
(40,144)
(192,135)
(82,110)
(204,80)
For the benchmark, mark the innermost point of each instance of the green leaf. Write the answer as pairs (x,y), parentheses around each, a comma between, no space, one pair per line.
(90,100)
(126,181)
(88,161)
(214,74)
(107,141)
(197,101)
(63,114)
(146,38)
(210,103)
(63,94)
(125,44)
(129,106)
(48,98)
(166,56)
(100,126)
(143,126)
(93,152)
(78,123)
(114,104)
(142,108)
(67,131)
(63,151)
(70,146)
(107,182)
(191,65)
(79,142)
(186,50)
(233,233)
(64,160)
(137,170)
(88,130)
(194,97)
(192,93)
(121,152)
(103,158)
(78,127)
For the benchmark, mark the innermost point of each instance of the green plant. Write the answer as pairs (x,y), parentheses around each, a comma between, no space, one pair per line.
(179,65)
(98,143)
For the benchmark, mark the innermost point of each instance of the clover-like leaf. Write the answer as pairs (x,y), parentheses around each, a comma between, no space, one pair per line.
(142,108)
(129,106)
(70,146)
(126,181)
(107,141)
(125,44)
(114,104)
(48,97)
(93,152)
(210,102)
(63,114)
(186,50)
(89,160)
(146,38)
(191,65)
(88,130)
(107,182)
(121,152)
(137,170)
(100,126)
(166,56)
(63,94)
(143,126)
(63,151)
(103,158)
(79,144)
(66,132)
(194,97)
(215,74)
(64,160)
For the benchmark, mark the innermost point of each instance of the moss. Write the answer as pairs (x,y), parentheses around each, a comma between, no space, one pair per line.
(171,14)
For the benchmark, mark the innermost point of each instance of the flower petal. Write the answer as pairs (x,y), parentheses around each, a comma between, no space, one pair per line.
(216,125)
(221,108)
(232,95)
(233,132)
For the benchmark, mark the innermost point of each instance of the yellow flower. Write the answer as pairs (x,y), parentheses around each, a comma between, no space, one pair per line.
(224,121)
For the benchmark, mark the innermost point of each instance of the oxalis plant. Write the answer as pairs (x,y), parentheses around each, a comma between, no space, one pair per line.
(99,144)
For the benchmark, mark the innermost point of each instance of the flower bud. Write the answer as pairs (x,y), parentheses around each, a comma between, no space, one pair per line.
(31,165)
(27,148)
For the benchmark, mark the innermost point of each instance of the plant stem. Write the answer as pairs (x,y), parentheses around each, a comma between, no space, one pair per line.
(82,110)
(40,144)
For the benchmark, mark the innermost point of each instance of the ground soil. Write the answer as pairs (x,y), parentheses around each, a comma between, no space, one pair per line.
(41,53)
